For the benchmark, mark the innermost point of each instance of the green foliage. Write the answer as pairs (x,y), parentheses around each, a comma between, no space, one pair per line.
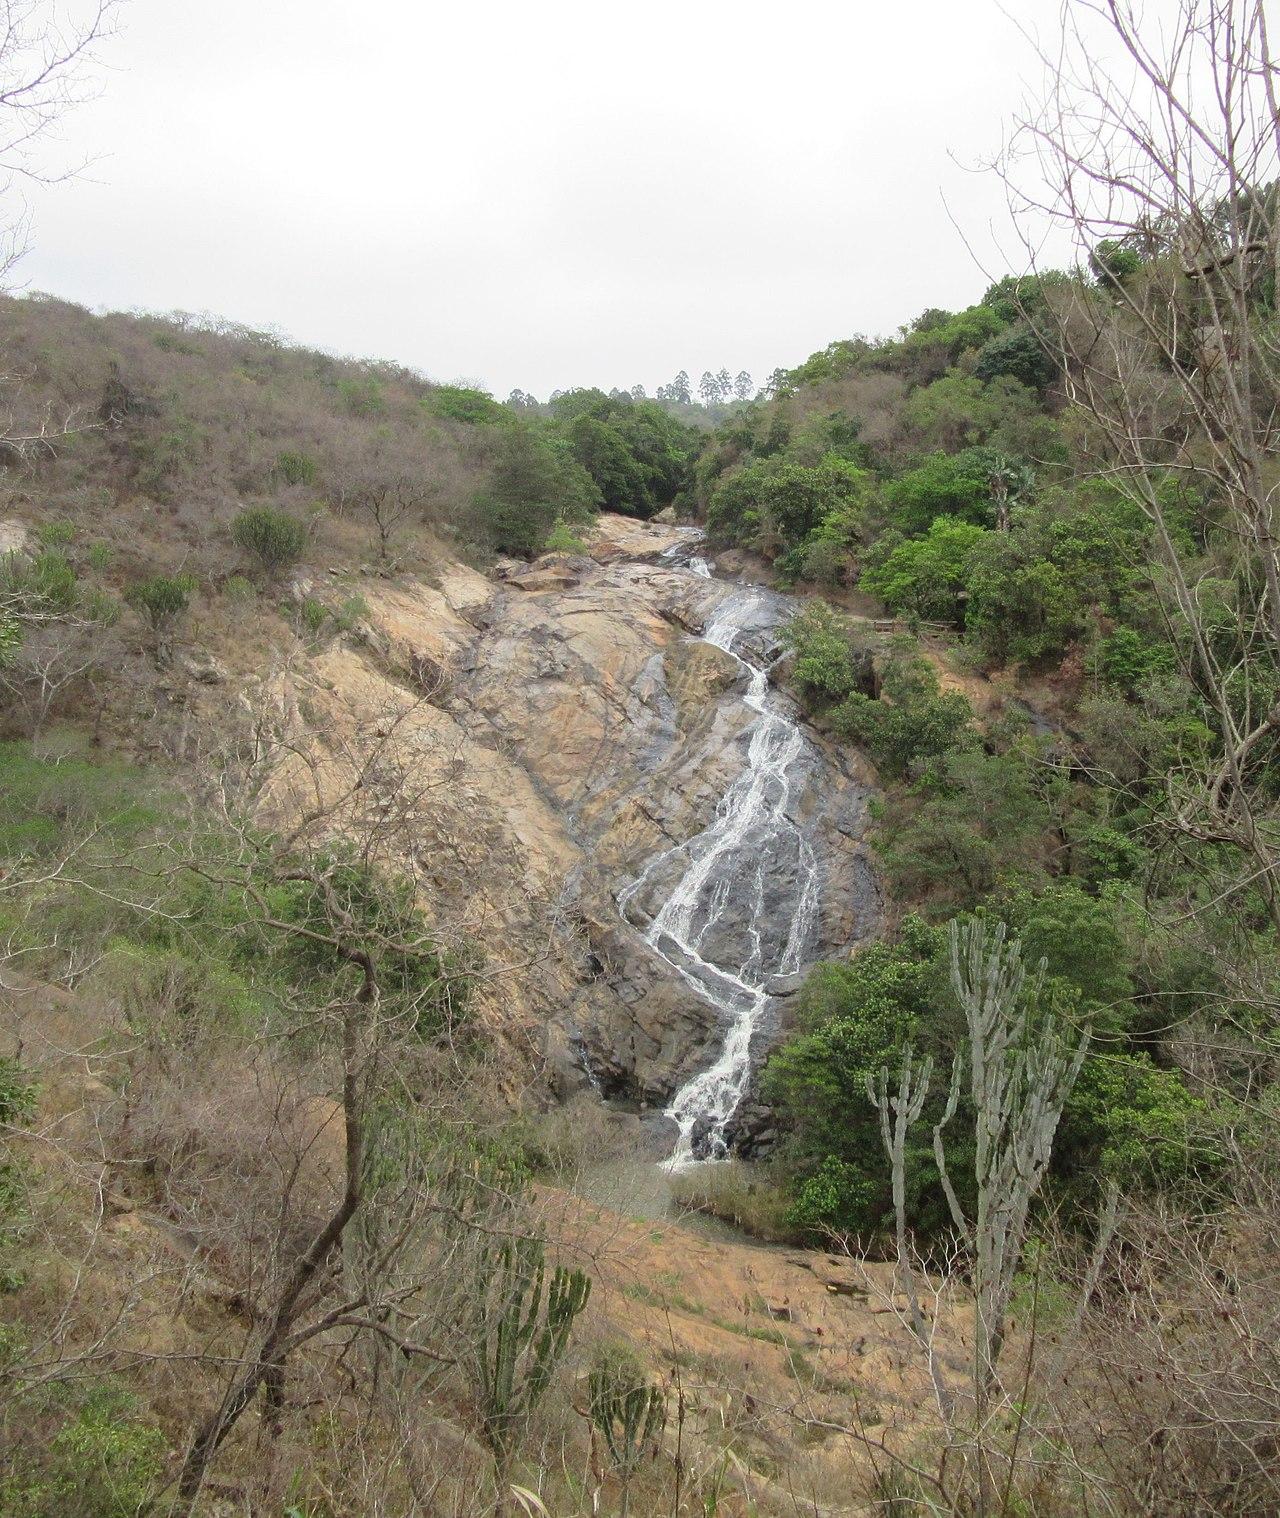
(273,538)
(353,611)
(636,452)
(56,534)
(10,638)
(458,403)
(344,898)
(44,585)
(296,468)
(944,335)
(1139,1125)
(910,721)
(518,1335)
(162,599)
(1020,354)
(238,590)
(534,483)
(563,539)
(775,504)
(1128,658)
(1081,939)
(854,1017)
(104,1462)
(17,1108)
(971,823)
(1113,263)
(825,665)
(1020,609)
(313,615)
(925,577)
(952,485)
(1025,296)
(361,396)
(960,411)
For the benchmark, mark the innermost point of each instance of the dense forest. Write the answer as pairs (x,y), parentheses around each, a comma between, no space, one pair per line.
(1035,570)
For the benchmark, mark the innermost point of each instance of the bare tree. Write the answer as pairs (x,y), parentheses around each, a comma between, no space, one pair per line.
(388,985)
(45,71)
(387,483)
(1156,152)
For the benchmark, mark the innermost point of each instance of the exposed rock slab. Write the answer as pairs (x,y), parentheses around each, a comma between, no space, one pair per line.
(567,728)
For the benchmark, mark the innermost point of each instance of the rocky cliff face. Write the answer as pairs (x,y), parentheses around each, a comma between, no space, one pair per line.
(574,728)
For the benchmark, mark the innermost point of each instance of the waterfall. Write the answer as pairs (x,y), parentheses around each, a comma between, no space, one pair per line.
(720,897)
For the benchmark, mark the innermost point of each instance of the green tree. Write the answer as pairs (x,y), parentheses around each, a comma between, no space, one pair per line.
(912,719)
(534,482)
(953,485)
(272,537)
(162,600)
(926,577)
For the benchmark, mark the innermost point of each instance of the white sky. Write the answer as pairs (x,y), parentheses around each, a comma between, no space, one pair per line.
(540,195)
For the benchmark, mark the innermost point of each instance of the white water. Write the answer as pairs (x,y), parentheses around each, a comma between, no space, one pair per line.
(723,887)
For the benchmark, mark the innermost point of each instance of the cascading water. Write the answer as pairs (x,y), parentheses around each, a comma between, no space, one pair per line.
(721,900)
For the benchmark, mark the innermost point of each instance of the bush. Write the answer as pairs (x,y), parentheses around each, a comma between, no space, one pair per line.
(273,538)
(926,576)
(563,539)
(312,615)
(952,485)
(775,504)
(56,534)
(1019,353)
(104,1462)
(741,1194)
(825,663)
(458,403)
(162,599)
(913,720)
(296,468)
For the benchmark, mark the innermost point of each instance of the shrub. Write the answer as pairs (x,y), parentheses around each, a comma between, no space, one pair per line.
(563,539)
(312,615)
(926,576)
(352,611)
(460,403)
(238,590)
(162,599)
(104,1462)
(824,656)
(914,721)
(272,537)
(296,468)
(1019,353)
(951,485)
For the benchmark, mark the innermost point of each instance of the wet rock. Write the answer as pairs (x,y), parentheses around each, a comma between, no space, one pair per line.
(785,985)
(587,738)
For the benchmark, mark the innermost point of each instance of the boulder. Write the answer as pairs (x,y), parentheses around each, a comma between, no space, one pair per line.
(15,537)
(552,578)
(204,669)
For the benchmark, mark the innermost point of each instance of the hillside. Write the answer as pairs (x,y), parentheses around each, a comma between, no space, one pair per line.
(552,958)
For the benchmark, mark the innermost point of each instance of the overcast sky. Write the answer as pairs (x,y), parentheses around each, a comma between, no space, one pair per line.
(540,195)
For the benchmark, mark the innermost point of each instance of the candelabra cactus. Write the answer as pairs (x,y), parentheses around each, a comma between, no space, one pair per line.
(628,1412)
(520,1335)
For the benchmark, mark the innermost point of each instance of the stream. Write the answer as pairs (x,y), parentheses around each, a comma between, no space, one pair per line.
(720,928)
